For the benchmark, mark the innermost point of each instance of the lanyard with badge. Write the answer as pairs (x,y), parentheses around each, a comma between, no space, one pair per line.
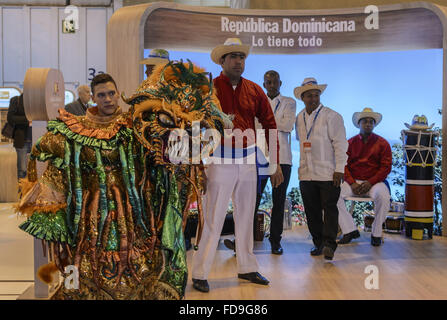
(307,145)
(276,108)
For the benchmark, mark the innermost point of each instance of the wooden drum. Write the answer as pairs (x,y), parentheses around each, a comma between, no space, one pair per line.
(394,224)
(420,155)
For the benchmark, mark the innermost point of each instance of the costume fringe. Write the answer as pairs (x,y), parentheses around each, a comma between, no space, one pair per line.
(47,272)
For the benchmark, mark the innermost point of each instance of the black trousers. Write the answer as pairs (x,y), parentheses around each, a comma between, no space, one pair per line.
(278,198)
(319,197)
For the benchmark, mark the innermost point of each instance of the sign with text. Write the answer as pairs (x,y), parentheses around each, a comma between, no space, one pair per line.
(369,30)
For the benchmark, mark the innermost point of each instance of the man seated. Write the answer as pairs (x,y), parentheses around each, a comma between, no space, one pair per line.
(369,163)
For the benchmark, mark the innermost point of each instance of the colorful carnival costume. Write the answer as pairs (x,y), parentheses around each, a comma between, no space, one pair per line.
(105,203)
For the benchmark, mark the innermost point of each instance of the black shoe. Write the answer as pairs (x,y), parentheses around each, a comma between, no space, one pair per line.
(254,277)
(277,250)
(188,245)
(349,236)
(376,241)
(276,247)
(201,285)
(230,244)
(316,251)
(328,253)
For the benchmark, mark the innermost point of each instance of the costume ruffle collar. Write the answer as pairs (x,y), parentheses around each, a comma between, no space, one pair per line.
(94,126)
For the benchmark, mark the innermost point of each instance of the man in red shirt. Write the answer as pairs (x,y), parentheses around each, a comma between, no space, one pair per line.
(232,175)
(369,163)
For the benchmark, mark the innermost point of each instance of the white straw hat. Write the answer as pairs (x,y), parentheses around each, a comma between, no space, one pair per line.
(230,45)
(156,56)
(366,113)
(308,84)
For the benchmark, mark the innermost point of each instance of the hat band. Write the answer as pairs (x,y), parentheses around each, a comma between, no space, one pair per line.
(154,56)
(310,82)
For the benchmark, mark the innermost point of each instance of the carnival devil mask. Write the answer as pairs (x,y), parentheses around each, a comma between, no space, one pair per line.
(172,110)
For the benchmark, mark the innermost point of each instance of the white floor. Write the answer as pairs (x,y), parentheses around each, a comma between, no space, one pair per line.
(16,255)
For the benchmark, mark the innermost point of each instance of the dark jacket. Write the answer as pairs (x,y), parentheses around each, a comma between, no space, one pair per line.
(76,108)
(16,117)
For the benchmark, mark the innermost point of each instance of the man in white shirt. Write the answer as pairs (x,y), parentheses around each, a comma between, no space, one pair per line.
(323,147)
(284,110)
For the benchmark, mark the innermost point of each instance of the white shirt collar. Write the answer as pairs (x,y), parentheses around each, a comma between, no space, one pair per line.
(313,112)
(275,98)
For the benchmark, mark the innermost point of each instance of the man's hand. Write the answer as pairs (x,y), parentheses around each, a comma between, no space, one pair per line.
(365,187)
(337,177)
(356,188)
(277,178)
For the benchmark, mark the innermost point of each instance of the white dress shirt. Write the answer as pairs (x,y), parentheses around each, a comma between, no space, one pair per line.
(328,144)
(284,110)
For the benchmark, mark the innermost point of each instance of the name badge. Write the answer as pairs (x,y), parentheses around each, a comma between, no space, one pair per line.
(307,145)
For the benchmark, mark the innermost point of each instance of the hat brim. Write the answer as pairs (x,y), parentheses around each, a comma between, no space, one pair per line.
(154,61)
(298,91)
(419,126)
(357,116)
(222,50)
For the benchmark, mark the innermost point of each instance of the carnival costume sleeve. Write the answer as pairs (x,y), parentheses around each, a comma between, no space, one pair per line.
(44,199)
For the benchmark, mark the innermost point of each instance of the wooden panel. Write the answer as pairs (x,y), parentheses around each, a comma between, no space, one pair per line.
(44,38)
(83,31)
(324,4)
(1,47)
(407,269)
(26,36)
(96,41)
(70,51)
(125,46)
(398,30)
(8,172)
(14,51)
(181,27)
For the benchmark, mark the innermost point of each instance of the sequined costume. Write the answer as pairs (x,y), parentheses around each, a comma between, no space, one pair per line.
(89,208)
(110,201)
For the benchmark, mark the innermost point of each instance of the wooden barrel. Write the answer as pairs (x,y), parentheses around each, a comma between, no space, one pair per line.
(43,93)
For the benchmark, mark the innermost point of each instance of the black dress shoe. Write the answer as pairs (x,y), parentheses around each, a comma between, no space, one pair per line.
(254,277)
(316,251)
(277,250)
(328,253)
(230,244)
(201,285)
(349,236)
(376,241)
(188,245)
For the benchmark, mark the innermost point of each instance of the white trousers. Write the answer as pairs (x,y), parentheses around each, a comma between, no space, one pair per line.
(381,197)
(225,182)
